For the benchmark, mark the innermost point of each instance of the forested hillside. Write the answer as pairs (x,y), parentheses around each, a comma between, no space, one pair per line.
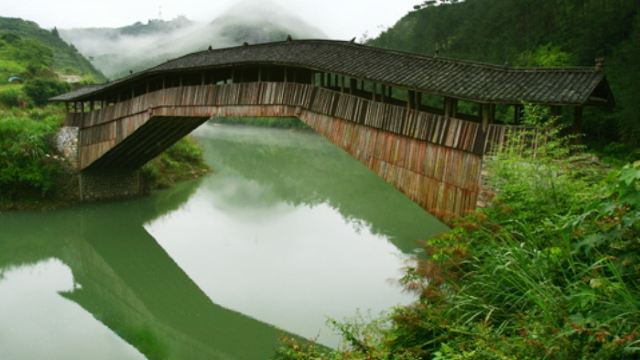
(538,33)
(29,51)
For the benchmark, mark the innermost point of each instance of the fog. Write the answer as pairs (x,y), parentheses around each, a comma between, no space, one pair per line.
(116,51)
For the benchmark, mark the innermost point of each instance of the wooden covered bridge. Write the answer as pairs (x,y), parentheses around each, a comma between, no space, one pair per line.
(422,123)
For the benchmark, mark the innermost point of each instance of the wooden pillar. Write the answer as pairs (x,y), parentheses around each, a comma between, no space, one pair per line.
(341,83)
(577,119)
(374,90)
(487,115)
(91,105)
(450,107)
(82,106)
(384,93)
(517,114)
(411,99)
(66,107)
(418,100)
(353,85)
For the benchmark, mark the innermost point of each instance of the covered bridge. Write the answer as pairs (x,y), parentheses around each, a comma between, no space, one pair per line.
(421,122)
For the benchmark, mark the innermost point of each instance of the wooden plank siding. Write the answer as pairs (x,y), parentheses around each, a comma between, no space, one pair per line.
(434,160)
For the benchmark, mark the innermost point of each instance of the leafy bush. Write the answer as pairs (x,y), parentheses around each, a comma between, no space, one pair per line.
(11,96)
(28,165)
(41,90)
(182,161)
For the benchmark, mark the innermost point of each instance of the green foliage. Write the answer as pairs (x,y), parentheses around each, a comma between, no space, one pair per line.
(40,90)
(28,50)
(550,270)
(544,56)
(28,165)
(180,162)
(11,96)
(538,33)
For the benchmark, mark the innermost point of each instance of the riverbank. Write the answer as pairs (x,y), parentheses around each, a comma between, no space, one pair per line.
(549,270)
(35,173)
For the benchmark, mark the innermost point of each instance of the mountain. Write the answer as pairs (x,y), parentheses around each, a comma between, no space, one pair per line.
(116,51)
(538,33)
(29,51)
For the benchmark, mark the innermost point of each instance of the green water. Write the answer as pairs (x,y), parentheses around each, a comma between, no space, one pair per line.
(287,232)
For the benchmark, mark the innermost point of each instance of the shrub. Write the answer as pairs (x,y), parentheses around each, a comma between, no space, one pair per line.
(28,166)
(181,161)
(11,96)
(40,90)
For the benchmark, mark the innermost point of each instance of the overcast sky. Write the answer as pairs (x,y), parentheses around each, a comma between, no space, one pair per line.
(339,19)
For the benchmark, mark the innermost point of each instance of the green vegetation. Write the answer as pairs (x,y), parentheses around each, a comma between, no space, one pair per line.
(30,170)
(538,33)
(549,270)
(29,51)
(273,122)
(182,161)
(34,175)
(41,62)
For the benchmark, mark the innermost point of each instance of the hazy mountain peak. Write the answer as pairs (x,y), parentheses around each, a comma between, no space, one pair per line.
(115,51)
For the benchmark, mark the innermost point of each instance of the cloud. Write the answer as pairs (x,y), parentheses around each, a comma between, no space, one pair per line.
(115,51)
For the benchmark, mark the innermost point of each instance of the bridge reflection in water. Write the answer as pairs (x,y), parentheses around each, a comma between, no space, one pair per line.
(152,297)
(150,303)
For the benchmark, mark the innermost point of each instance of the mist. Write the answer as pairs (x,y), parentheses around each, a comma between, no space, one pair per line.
(116,51)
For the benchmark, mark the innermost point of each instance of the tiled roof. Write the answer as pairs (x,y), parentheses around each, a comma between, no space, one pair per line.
(435,75)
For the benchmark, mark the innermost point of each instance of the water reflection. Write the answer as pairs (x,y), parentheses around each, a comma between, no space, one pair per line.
(37,323)
(287,230)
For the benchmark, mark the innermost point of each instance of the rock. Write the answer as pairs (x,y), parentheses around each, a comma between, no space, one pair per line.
(66,143)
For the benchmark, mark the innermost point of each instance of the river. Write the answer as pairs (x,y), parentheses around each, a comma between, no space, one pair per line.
(286,232)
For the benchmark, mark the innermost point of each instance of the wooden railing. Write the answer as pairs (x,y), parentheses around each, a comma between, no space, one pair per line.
(433,128)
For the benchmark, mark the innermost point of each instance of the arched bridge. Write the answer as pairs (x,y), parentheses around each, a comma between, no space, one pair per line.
(422,123)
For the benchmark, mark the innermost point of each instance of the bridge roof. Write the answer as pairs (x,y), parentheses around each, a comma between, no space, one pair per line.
(460,79)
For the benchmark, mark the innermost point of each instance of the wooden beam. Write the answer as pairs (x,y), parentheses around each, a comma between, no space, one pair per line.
(577,119)
(517,114)
(486,116)
(411,99)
